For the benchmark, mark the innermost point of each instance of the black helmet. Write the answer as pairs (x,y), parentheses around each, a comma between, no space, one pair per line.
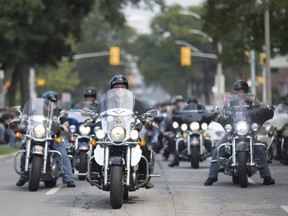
(119,79)
(51,96)
(241,84)
(90,91)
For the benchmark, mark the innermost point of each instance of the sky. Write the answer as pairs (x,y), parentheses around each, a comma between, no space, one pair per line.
(140,18)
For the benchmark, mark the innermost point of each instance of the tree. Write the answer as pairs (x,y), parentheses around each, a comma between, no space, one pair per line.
(159,56)
(39,32)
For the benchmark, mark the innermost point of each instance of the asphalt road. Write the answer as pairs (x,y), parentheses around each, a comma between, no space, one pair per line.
(179,191)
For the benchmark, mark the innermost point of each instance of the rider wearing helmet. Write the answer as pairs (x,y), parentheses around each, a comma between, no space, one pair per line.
(120,81)
(67,177)
(90,95)
(241,87)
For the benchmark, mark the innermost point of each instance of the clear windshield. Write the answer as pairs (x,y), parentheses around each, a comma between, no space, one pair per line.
(40,112)
(116,109)
(246,100)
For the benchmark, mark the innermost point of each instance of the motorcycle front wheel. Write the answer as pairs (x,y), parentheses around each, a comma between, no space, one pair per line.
(242,169)
(194,157)
(116,187)
(35,172)
(82,164)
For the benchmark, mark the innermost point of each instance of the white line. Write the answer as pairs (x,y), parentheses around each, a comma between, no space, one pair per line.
(251,181)
(54,190)
(285,208)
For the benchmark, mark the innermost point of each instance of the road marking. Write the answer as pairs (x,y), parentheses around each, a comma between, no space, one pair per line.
(54,190)
(251,181)
(285,208)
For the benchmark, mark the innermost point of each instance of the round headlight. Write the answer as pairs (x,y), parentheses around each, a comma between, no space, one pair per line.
(242,127)
(268,127)
(194,126)
(134,134)
(255,126)
(204,126)
(117,134)
(175,125)
(39,131)
(72,128)
(84,130)
(100,134)
(228,128)
(184,127)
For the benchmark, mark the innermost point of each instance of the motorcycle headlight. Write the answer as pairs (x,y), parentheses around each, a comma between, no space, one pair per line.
(194,126)
(72,128)
(242,127)
(184,127)
(255,126)
(39,131)
(175,125)
(228,128)
(100,134)
(268,127)
(84,130)
(117,134)
(204,126)
(134,134)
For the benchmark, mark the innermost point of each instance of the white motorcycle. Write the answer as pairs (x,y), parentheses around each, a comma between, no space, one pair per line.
(116,159)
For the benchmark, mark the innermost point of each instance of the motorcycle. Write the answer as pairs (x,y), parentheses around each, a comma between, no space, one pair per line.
(191,139)
(241,122)
(277,130)
(39,123)
(79,142)
(114,163)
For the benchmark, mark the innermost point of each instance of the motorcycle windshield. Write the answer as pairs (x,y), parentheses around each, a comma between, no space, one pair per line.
(188,116)
(40,112)
(116,109)
(75,114)
(238,101)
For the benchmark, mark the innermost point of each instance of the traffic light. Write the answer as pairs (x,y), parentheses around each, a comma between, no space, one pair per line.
(185,56)
(114,58)
(262,58)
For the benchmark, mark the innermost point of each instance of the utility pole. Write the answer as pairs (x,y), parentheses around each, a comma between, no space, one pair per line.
(267,47)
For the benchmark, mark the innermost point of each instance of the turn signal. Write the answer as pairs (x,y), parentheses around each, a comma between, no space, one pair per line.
(142,143)
(72,139)
(93,142)
(185,135)
(18,135)
(204,134)
(58,139)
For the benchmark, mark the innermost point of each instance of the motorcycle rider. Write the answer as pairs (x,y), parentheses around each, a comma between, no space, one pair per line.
(67,177)
(90,95)
(120,81)
(192,104)
(178,103)
(240,87)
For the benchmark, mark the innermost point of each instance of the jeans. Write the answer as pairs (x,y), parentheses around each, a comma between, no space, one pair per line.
(67,168)
(260,155)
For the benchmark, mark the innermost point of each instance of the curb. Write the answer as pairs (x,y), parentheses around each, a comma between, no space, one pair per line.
(6,157)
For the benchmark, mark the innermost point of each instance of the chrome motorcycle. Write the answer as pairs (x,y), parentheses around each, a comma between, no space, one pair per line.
(114,163)
(241,121)
(40,123)
(191,139)
(78,144)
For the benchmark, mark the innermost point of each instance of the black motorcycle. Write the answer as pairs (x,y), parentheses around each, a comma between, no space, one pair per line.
(241,121)
(192,141)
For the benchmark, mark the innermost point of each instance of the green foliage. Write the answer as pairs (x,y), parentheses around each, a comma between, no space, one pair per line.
(59,79)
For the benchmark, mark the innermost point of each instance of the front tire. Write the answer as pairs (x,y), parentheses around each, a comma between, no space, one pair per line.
(194,157)
(116,187)
(82,164)
(35,172)
(242,169)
